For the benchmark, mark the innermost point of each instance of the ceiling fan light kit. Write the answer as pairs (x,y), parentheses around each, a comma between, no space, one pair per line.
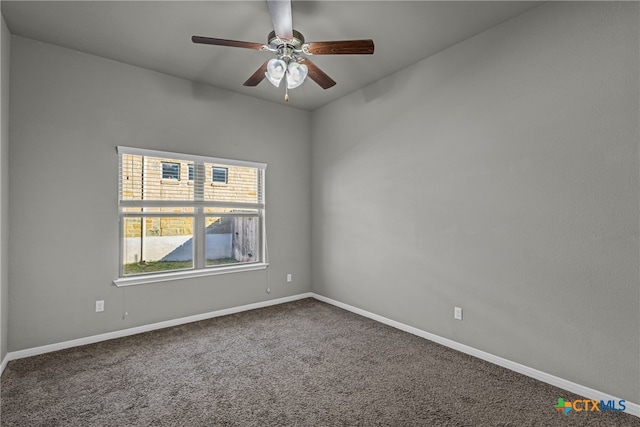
(296,73)
(291,50)
(287,60)
(276,69)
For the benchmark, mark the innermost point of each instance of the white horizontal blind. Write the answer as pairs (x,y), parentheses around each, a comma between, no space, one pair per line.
(149,178)
(188,157)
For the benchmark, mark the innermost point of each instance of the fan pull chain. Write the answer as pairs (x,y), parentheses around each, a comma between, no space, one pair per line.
(286,94)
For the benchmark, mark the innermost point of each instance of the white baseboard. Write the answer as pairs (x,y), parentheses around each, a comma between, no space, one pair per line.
(632,408)
(4,362)
(14,355)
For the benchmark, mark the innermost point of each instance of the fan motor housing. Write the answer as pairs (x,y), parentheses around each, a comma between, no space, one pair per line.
(295,42)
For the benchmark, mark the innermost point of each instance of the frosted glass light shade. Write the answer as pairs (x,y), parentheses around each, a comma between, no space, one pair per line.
(276,69)
(296,73)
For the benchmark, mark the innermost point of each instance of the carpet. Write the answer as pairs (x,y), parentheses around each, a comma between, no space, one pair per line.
(304,363)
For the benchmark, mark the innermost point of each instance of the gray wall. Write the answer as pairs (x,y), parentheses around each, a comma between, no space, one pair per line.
(68,113)
(4,187)
(501,176)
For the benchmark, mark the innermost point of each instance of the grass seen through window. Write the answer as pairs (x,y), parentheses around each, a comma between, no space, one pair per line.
(157,266)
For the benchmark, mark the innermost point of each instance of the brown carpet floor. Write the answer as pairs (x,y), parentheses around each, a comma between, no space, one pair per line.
(303,363)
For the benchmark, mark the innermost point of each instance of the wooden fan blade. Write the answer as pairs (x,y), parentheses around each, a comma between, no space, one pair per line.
(341,47)
(281,17)
(258,76)
(224,42)
(318,76)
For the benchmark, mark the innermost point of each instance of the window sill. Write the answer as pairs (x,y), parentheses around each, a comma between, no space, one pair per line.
(177,275)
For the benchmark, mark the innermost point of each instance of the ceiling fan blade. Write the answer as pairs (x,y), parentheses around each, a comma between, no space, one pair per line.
(318,76)
(258,76)
(281,17)
(341,47)
(224,42)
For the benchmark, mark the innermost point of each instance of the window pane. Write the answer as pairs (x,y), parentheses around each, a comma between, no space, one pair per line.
(190,172)
(242,184)
(131,177)
(231,240)
(153,178)
(170,170)
(216,211)
(155,244)
(168,209)
(220,175)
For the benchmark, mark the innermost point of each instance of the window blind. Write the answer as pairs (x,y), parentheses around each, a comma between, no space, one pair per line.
(150,178)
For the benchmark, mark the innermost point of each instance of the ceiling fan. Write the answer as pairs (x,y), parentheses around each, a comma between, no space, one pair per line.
(291,61)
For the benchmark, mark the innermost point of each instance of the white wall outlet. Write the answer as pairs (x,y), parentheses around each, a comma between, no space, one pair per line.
(99,306)
(457,313)
(289,277)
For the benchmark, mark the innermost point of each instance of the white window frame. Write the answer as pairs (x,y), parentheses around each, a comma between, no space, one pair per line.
(200,268)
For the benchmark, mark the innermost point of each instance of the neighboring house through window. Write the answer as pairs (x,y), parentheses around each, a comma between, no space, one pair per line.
(188,228)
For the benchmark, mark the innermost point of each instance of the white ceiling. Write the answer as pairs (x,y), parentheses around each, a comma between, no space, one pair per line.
(157,35)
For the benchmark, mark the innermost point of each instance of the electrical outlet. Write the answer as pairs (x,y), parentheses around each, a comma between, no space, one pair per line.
(99,306)
(457,313)
(289,277)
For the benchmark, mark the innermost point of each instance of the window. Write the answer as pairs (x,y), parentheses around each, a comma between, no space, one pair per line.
(190,228)
(219,174)
(171,170)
